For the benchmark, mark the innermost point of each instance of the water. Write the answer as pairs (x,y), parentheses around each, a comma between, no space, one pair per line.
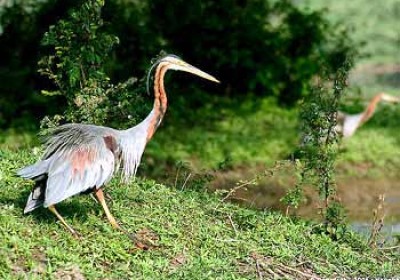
(389,233)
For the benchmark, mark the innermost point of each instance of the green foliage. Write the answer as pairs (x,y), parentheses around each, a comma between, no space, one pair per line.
(12,8)
(295,196)
(78,48)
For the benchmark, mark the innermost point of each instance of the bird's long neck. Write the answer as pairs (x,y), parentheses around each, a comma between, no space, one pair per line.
(370,110)
(160,101)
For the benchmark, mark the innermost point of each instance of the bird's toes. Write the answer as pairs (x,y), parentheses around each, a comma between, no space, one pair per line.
(109,198)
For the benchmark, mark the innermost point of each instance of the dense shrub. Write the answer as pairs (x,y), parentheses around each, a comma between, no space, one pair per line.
(18,28)
(22,24)
(77,51)
(252,46)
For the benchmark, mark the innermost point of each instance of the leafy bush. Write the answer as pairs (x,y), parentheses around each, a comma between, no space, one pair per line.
(78,49)
(320,147)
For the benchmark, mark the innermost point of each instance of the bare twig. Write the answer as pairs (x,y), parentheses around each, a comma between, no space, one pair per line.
(176,177)
(270,271)
(390,248)
(186,180)
(238,187)
(228,240)
(304,274)
(259,273)
(232,224)
(378,221)
(287,210)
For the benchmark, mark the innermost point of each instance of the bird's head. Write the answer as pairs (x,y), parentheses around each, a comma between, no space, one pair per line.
(173,62)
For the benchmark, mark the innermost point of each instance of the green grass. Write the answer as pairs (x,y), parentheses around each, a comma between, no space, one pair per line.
(15,139)
(374,147)
(196,236)
(376,144)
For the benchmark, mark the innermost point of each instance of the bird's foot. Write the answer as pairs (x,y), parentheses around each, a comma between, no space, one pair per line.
(76,234)
(145,239)
(116,225)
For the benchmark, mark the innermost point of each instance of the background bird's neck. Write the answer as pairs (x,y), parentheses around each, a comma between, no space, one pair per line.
(160,100)
(369,111)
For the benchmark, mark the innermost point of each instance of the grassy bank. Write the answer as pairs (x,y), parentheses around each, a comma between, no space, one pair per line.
(193,236)
(246,132)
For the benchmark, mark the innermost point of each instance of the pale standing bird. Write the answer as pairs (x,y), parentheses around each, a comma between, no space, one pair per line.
(348,124)
(82,158)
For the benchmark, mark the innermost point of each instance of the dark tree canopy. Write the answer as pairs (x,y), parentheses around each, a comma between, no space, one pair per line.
(256,47)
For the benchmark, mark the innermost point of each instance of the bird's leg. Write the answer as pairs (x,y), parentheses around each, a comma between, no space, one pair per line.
(53,209)
(100,197)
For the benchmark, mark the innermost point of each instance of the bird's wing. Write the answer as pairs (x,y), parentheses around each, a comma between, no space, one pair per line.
(351,123)
(78,158)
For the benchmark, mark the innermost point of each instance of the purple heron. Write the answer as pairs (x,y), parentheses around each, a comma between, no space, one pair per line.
(82,158)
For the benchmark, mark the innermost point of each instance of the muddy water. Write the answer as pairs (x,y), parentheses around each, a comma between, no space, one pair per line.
(360,196)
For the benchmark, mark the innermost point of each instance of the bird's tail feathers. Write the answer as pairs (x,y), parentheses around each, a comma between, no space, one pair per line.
(36,197)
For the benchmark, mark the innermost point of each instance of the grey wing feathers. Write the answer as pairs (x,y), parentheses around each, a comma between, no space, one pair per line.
(77,158)
(34,170)
(351,123)
(69,135)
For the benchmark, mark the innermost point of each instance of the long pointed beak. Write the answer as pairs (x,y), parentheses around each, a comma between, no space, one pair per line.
(196,71)
(390,98)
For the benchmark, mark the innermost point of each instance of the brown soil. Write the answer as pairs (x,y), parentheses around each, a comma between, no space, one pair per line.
(358,194)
